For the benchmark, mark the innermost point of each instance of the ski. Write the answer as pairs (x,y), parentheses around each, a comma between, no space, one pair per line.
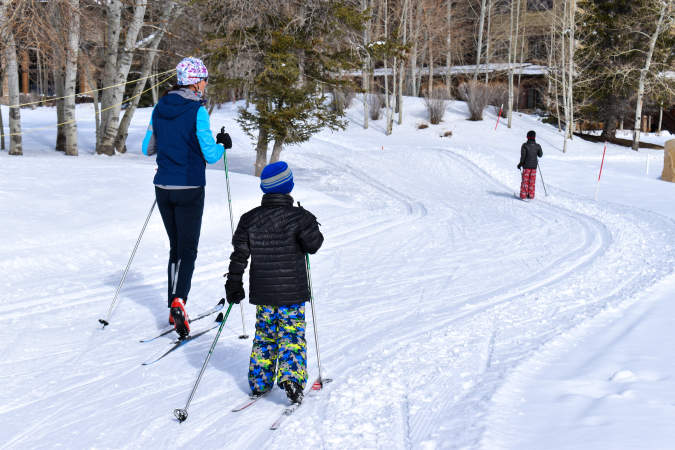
(251,400)
(289,410)
(181,342)
(171,328)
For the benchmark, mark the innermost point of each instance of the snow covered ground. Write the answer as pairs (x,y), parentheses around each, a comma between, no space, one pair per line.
(450,314)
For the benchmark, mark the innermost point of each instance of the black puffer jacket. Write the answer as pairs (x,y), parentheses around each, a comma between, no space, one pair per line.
(276,235)
(529,152)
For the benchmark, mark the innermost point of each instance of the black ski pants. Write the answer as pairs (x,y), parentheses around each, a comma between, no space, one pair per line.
(181,211)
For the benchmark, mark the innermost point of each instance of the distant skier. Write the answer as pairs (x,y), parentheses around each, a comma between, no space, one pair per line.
(530,152)
(180,134)
(277,236)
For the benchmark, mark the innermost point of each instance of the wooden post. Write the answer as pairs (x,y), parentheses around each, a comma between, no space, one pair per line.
(25,67)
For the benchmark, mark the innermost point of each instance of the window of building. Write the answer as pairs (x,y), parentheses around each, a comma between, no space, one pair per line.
(502,6)
(537,48)
(539,5)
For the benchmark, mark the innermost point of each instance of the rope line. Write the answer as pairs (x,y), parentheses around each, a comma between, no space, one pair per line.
(99,113)
(90,91)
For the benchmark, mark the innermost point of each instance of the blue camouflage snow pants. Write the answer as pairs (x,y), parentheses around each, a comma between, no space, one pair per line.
(279,348)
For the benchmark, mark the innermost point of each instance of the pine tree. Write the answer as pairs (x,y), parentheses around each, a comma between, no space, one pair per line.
(614,39)
(290,54)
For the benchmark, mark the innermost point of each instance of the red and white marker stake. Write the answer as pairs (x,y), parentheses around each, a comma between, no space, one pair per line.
(597,186)
(499,115)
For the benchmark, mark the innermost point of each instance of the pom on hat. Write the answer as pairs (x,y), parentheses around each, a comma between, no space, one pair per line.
(276,178)
(191,71)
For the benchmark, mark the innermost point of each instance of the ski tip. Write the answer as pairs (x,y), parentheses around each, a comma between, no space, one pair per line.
(243,336)
(219,318)
(222,302)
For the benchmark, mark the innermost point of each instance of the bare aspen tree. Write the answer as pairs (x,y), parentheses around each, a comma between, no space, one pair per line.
(387,102)
(570,69)
(448,50)
(415,26)
(520,71)
(664,9)
(149,56)
(509,112)
(488,38)
(12,70)
(430,44)
(479,48)
(116,71)
(70,78)
(401,73)
(365,71)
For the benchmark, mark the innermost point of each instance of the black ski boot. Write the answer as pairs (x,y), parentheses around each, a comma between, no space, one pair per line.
(293,391)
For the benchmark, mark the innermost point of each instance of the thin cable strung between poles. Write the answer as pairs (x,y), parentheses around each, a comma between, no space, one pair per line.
(99,113)
(51,99)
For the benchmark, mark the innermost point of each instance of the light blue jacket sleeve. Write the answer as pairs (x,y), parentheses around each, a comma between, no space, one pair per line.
(212,152)
(149,146)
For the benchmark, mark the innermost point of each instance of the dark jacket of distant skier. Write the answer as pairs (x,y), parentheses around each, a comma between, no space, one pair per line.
(529,153)
(276,235)
(180,134)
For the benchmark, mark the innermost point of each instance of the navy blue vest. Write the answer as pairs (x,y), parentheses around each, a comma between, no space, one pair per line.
(179,157)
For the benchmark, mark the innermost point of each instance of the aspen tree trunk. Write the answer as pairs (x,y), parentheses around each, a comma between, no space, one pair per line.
(549,76)
(149,59)
(520,72)
(153,81)
(94,87)
(2,124)
(366,64)
(448,51)
(570,70)
(261,152)
(59,91)
(414,25)
(431,66)
(390,110)
(658,132)
(12,70)
(401,72)
(112,36)
(276,150)
(563,75)
(487,39)
(509,112)
(479,49)
(110,123)
(70,78)
(665,7)
(387,102)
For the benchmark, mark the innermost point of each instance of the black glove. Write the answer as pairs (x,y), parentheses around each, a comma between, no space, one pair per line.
(519,166)
(224,138)
(234,291)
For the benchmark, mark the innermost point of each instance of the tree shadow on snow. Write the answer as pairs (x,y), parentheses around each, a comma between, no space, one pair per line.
(149,296)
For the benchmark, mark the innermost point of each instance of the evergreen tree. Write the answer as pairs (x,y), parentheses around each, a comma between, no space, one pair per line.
(614,39)
(292,53)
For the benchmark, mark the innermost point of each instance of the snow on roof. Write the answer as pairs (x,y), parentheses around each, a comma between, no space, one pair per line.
(518,68)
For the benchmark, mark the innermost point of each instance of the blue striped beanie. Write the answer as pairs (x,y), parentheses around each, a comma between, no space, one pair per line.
(276,178)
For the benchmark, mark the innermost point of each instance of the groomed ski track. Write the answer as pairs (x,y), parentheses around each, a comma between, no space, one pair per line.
(434,284)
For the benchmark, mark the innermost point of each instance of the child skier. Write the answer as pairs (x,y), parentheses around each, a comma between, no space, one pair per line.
(530,152)
(277,235)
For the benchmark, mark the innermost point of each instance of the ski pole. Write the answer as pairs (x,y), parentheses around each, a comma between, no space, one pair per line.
(319,383)
(229,205)
(542,179)
(106,321)
(182,414)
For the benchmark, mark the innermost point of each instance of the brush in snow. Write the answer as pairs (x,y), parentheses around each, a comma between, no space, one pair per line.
(169,329)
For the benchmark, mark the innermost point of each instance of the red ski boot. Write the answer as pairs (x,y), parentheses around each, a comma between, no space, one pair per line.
(180,317)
